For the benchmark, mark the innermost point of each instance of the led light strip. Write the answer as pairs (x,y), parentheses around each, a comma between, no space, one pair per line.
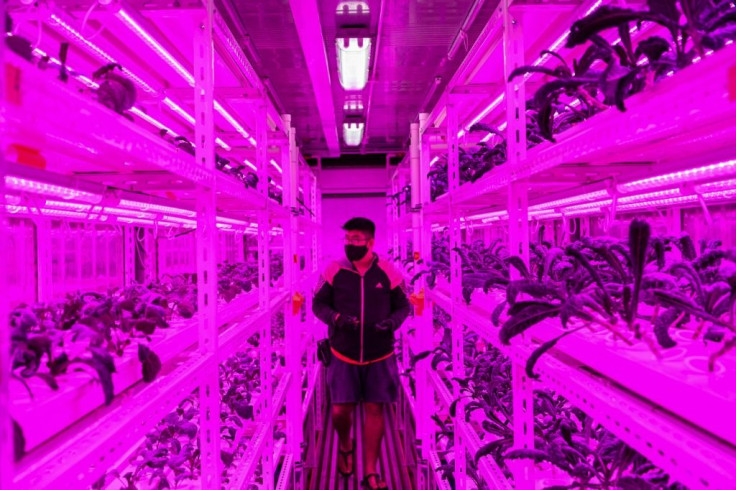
(276,166)
(156,208)
(99,52)
(700,173)
(180,69)
(20,184)
(591,196)
(720,185)
(660,202)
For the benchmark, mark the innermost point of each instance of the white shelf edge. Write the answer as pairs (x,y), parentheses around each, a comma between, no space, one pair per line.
(685,453)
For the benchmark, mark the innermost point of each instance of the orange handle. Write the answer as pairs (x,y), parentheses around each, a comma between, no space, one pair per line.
(296,303)
(417,299)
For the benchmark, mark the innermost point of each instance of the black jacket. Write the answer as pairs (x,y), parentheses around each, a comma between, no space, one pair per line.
(372,298)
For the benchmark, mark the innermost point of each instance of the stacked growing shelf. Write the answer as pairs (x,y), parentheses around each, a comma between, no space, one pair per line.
(180,215)
(670,151)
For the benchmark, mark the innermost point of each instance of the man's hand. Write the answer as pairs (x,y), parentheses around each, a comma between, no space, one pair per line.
(387,325)
(346,321)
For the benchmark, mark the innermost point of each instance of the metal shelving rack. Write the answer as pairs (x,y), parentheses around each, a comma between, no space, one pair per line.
(94,135)
(660,130)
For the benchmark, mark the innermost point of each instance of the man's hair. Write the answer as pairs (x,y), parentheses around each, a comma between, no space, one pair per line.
(361,224)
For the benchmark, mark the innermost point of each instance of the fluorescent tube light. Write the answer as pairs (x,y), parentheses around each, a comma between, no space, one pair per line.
(659,202)
(92,47)
(276,166)
(353,61)
(153,44)
(129,21)
(353,133)
(250,165)
(20,184)
(434,160)
(720,185)
(700,173)
(591,196)
(143,206)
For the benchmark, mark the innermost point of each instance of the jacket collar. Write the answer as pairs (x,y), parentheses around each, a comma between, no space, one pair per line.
(344,263)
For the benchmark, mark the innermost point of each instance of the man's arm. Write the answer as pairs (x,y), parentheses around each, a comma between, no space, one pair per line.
(322,303)
(400,306)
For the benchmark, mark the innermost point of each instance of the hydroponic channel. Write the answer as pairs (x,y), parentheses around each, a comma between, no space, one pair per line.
(539,291)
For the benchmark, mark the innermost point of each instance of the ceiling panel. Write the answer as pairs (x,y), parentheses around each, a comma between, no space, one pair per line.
(415,37)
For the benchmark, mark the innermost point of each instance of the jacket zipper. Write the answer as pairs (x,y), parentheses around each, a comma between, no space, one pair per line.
(362,313)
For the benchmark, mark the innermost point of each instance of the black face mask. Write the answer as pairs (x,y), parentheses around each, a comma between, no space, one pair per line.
(355,252)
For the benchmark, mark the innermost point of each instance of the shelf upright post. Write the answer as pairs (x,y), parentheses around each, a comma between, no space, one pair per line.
(458,358)
(424,325)
(206,244)
(523,400)
(129,255)
(6,431)
(264,290)
(292,339)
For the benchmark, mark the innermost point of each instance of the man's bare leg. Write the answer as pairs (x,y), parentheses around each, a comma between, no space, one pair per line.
(342,419)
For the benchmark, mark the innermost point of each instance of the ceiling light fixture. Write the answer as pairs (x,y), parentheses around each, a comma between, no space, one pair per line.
(353,62)
(353,133)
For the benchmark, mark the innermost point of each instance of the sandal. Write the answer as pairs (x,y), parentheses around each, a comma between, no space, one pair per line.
(380,484)
(346,455)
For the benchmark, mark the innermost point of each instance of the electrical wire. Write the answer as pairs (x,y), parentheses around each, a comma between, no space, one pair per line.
(86,18)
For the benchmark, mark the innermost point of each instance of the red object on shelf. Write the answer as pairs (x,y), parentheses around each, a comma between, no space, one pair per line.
(296,303)
(732,84)
(417,300)
(25,155)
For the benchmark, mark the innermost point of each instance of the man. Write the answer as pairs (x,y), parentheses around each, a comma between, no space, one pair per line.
(362,300)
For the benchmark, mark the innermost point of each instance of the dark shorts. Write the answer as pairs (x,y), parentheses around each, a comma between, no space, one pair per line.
(374,383)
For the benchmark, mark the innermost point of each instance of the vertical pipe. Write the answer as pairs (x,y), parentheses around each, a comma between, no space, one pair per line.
(6,428)
(206,250)
(264,272)
(291,265)
(458,358)
(425,325)
(128,255)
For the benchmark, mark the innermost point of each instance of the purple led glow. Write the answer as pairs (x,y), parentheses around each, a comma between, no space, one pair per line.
(660,202)
(649,196)
(72,206)
(591,196)
(713,186)
(124,212)
(142,206)
(26,185)
(187,223)
(276,166)
(700,173)
(96,50)
(153,122)
(353,62)
(153,44)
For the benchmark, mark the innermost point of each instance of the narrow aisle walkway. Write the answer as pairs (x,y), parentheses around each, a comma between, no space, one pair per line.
(392,461)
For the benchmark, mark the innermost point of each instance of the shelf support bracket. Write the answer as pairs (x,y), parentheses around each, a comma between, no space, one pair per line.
(206,248)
